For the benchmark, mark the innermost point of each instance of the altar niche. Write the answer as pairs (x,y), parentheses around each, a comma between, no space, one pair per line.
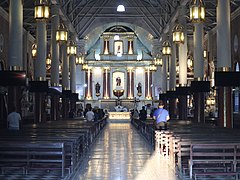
(118,80)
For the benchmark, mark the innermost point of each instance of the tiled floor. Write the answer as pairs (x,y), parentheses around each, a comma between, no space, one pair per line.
(120,153)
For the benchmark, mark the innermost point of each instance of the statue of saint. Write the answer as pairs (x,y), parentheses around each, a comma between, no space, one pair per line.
(118,81)
(97,89)
(139,88)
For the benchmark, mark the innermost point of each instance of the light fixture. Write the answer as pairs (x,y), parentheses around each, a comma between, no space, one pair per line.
(197,11)
(158,60)
(152,67)
(205,53)
(190,62)
(48,61)
(85,67)
(80,60)
(116,37)
(72,48)
(61,33)
(178,34)
(166,48)
(60,69)
(34,50)
(41,10)
(120,8)
(177,69)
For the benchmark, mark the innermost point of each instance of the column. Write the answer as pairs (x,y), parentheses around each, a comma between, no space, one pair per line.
(148,83)
(40,63)
(55,114)
(106,46)
(72,62)
(88,92)
(15,53)
(55,46)
(65,80)
(172,82)
(65,67)
(40,70)
(183,50)
(199,97)
(224,62)
(106,83)
(130,83)
(130,46)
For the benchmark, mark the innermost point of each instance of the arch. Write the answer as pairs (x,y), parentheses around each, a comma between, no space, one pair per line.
(144,36)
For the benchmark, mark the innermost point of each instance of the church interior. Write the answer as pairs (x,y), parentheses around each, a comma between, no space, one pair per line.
(62,59)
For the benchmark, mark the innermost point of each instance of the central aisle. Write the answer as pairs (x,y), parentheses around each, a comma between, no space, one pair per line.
(120,153)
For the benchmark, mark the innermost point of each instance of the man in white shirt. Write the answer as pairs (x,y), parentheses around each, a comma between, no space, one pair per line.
(90,115)
(13,120)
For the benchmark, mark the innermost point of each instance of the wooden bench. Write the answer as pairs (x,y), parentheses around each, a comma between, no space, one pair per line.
(29,155)
(214,174)
(213,153)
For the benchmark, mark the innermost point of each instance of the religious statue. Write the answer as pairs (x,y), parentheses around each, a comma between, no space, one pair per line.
(139,89)
(118,81)
(97,89)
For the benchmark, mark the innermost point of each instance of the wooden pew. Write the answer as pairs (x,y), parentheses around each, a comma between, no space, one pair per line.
(32,154)
(216,154)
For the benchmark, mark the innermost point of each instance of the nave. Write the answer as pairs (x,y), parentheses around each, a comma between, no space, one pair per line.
(121,153)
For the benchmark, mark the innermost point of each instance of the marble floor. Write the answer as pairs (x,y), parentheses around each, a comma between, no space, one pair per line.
(120,153)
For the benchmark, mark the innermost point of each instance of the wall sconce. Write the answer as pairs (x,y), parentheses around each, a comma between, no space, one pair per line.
(158,61)
(166,48)
(34,50)
(72,48)
(41,10)
(152,67)
(85,67)
(197,11)
(61,33)
(178,34)
(80,60)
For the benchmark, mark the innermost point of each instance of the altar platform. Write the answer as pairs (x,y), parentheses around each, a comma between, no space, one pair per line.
(119,115)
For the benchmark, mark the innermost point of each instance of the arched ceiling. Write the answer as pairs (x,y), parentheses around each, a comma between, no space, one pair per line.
(152,17)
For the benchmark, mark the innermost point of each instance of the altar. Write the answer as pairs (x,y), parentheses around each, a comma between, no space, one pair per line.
(119,115)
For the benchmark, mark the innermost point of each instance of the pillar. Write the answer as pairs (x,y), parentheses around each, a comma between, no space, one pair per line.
(40,70)
(55,114)
(224,62)
(199,97)
(65,67)
(65,80)
(183,50)
(172,82)
(130,83)
(72,62)
(15,54)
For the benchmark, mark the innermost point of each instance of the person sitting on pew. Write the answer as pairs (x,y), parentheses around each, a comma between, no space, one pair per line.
(90,115)
(143,114)
(71,114)
(14,120)
(161,116)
